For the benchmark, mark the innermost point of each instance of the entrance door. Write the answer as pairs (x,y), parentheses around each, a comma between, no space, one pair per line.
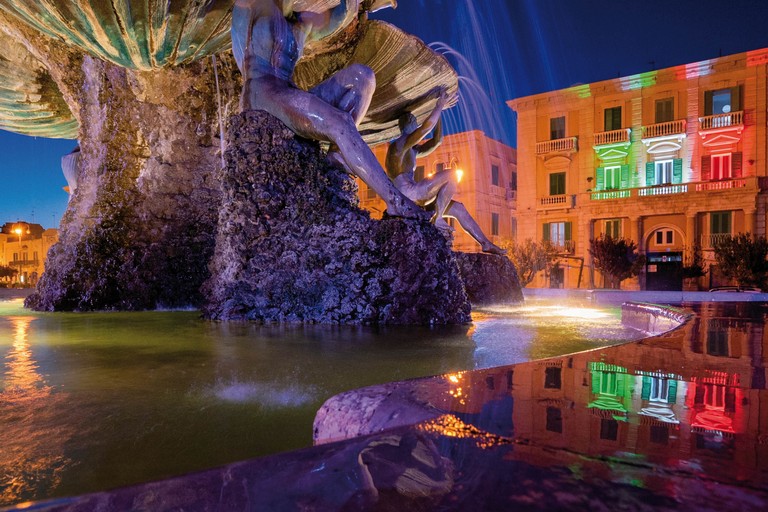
(664,271)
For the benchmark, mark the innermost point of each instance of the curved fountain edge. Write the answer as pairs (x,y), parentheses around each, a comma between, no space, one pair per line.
(374,409)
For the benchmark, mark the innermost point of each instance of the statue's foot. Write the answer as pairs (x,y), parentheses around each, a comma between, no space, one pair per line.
(334,157)
(490,248)
(442,225)
(405,208)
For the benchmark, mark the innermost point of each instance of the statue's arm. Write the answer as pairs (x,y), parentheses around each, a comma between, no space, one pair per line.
(422,131)
(432,144)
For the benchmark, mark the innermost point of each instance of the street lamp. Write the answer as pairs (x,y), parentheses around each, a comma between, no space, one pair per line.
(19,232)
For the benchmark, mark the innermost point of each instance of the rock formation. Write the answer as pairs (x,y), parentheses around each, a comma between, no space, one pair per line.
(293,246)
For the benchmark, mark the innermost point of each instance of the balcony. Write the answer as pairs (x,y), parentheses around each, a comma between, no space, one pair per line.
(721,121)
(612,137)
(708,241)
(567,247)
(668,129)
(721,129)
(26,263)
(555,202)
(749,184)
(566,145)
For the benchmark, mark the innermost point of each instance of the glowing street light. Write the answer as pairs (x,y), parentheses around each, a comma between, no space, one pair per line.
(19,232)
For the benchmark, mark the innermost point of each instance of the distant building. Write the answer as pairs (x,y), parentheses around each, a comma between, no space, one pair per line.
(669,159)
(487,188)
(23,247)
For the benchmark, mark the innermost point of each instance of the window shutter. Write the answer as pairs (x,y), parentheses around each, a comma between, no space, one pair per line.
(736,98)
(600,178)
(677,170)
(545,232)
(672,391)
(596,378)
(708,103)
(620,384)
(698,397)
(736,167)
(645,393)
(650,174)
(730,400)
(624,183)
(706,168)
(568,231)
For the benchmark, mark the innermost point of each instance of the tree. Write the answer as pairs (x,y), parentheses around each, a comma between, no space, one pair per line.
(530,258)
(694,264)
(616,258)
(7,271)
(743,258)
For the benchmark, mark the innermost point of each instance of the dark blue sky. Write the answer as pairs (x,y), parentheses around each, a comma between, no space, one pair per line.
(516,48)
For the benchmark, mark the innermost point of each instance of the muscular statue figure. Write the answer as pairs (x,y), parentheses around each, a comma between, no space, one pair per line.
(440,188)
(268,39)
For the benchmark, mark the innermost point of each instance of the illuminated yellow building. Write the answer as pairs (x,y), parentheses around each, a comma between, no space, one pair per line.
(670,159)
(23,247)
(487,189)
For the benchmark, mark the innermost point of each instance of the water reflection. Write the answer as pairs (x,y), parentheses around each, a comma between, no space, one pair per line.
(32,454)
(685,402)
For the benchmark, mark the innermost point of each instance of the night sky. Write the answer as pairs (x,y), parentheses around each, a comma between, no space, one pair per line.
(515,48)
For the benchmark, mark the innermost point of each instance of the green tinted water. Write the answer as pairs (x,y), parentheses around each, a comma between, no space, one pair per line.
(94,401)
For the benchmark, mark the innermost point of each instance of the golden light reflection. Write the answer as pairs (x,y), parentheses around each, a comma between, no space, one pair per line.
(32,441)
(459,175)
(449,425)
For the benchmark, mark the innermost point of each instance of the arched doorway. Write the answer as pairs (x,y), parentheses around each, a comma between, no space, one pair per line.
(664,259)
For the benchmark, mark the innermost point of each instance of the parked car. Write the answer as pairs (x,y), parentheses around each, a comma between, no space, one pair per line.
(744,289)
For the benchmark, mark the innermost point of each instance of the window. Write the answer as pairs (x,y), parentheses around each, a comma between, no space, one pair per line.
(613,177)
(612,119)
(557,183)
(513,181)
(721,102)
(513,228)
(495,175)
(659,390)
(662,172)
(440,167)
(554,419)
(557,128)
(418,174)
(613,228)
(552,378)
(495,224)
(558,233)
(15,256)
(609,429)
(720,223)
(717,341)
(665,110)
(664,237)
(34,256)
(721,166)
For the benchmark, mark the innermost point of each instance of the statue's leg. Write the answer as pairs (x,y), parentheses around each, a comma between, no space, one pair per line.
(311,117)
(440,187)
(349,90)
(460,213)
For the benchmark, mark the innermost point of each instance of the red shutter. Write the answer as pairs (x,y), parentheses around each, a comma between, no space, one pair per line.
(736,168)
(706,168)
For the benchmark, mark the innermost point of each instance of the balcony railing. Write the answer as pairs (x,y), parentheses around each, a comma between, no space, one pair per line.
(612,137)
(567,247)
(559,201)
(708,241)
(721,185)
(18,263)
(664,129)
(750,184)
(663,190)
(568,144)
(721,120)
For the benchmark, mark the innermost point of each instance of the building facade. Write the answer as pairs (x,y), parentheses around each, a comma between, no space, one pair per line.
(487,188)
(671,159)
(23,247)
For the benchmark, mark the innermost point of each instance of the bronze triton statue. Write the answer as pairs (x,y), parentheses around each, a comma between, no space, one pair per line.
(439,188)
(268,38)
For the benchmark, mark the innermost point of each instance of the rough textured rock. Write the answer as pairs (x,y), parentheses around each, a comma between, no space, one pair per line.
(139,230)
(489,279)
(293,246)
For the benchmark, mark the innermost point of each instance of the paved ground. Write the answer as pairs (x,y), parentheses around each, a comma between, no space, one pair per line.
(15,293)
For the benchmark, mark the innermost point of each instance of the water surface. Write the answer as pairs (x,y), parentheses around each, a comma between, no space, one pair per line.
(98,400)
